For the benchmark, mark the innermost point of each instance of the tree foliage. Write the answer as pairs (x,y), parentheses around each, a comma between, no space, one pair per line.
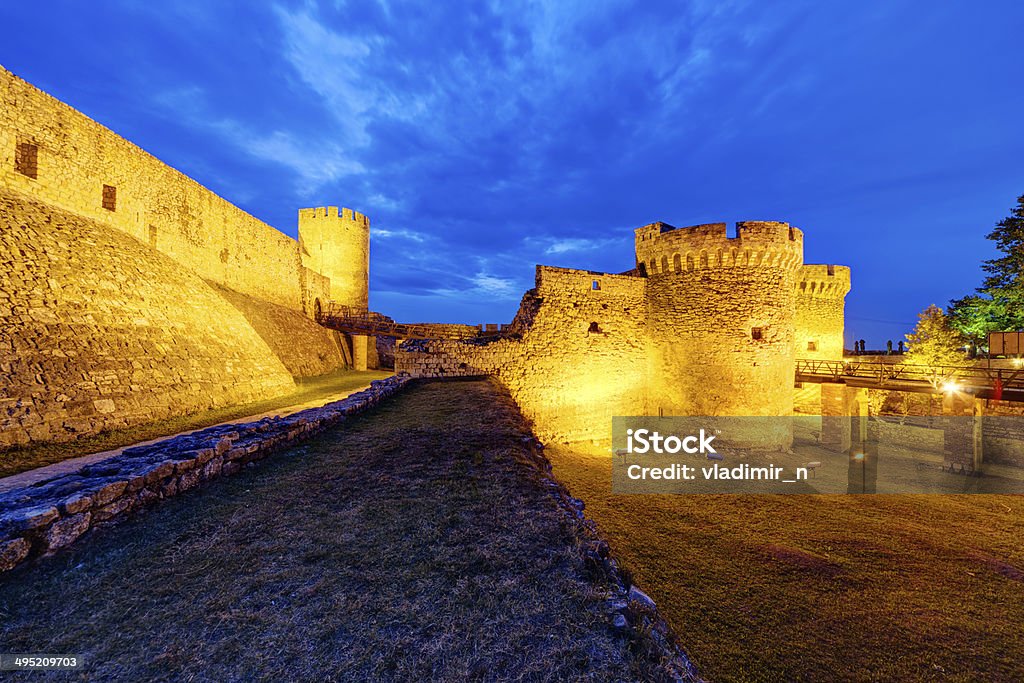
(998,305)
(976,315)
(934,342)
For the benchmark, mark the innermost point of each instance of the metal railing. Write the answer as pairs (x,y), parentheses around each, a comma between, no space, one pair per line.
(905,375)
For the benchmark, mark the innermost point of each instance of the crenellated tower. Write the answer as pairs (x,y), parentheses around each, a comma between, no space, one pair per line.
(720,315)
(336,244)
(820,301)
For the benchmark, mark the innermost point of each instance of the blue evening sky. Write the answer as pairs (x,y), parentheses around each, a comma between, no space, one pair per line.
(482,138)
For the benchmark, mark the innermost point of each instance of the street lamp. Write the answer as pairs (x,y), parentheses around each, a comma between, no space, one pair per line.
(863,471)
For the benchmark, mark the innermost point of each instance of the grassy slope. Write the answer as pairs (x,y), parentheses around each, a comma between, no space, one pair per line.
(405,545)
(17,460)
(823,588)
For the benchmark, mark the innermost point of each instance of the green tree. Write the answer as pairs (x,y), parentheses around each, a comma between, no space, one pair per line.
(936,345)
(998,305)
(976,315)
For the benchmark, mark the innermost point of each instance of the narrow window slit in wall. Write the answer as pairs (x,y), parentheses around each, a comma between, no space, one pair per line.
(110,198)
(756,333)
(152,235)
(26,159)
(595,328)
(595,285)
(812,346)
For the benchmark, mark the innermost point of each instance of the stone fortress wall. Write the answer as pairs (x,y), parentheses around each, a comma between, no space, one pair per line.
(578,349)
(100,332)
(705,324)
(129,292)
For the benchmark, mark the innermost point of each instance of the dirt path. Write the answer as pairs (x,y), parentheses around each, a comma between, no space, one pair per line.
(29,477)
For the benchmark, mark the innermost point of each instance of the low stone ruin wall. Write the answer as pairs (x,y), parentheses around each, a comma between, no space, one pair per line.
(46,516)
(630,611)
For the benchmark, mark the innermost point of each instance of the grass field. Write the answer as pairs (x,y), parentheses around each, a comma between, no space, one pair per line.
(13,461)
(406,545)
(823,588)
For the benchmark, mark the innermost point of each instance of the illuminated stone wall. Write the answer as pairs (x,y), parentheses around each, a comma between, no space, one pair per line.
(305,348)
(721,317)
(580,357)
(100,331)
(706,324)
(76,157)
(132,293)
(337,244)
(820,300)
(53,153)
(820,317)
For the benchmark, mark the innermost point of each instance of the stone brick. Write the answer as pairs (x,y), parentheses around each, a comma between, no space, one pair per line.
(188,480)
(77,503)
(28,518)
(13,552)
(160,472)
(213,468)
(64,531)
(115,509)
(109,493)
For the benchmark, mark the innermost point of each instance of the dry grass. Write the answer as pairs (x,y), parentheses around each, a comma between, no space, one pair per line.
(15,460)
(406,545)
(823,588)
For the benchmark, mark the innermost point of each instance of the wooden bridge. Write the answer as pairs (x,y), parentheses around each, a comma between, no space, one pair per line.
(995,383)
(358,321)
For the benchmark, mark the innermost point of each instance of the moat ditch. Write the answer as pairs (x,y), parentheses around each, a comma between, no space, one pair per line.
(417,541)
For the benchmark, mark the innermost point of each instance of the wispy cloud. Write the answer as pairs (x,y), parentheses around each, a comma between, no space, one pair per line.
(554,246)
(492,285)
(410,235)
(314,164)
(481,137)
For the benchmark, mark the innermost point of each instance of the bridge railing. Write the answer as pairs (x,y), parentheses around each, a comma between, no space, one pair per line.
(894,373)
(354,320)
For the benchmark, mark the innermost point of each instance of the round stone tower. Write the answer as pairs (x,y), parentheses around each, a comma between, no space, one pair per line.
(337,245)
(721,318)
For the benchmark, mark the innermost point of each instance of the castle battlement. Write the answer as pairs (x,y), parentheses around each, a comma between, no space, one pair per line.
(336,243)
(823,280)
(662,248)
(770,231)
(325,212)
